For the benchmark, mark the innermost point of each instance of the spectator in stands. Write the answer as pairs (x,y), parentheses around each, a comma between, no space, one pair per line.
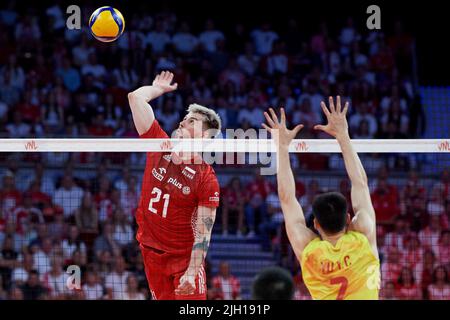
(225,285)
(41,255)
(15,293)
(416,214)
(132,289)
(385,203)
(263,38)
(116,281)
(33,288)
(442,251)
(412,252)
(92,288)
(72,243)
(10,197)
(440,288)
(363,115)
(158,39)
(396,237)
(210,36)
(106,242)
(387,292)
(123,232)
(184,41)
(45,182)
(391,268)
(68,196)
(304,114)
(429,236)
(407,288)
(86,215)
(248,61)
(257,191)
(8,260)
(55,280)
(424,271)
(271,226)
(233,205)
(273,283)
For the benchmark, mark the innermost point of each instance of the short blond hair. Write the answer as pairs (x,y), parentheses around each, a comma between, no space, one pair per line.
(212,120)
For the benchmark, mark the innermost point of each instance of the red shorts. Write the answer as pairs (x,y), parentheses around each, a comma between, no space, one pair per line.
(164,270)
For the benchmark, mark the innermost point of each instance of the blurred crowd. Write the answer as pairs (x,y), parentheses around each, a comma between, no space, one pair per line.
(61,82)
(56,82)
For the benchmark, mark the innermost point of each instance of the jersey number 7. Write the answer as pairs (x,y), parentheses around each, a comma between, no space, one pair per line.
(157,197)
(344,283)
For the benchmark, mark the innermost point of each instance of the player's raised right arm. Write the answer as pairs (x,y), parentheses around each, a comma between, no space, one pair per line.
(139,99)
(364,220)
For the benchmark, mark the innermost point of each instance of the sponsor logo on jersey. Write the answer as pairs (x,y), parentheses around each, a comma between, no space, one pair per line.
(175,183)
(188,172)
(215,198)
(157,175)
(167,157)
(186,190)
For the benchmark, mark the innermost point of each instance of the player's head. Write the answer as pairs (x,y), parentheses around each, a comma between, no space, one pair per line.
(200,122)
(273,283)
(330,213)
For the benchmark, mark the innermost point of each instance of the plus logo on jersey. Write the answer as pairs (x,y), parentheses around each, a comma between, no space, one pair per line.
(188,172)
(175,183)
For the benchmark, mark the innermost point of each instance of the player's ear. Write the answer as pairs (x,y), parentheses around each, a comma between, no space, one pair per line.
(349,218)
(316,224)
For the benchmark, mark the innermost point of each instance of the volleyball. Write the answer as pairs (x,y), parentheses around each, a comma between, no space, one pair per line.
(106,24)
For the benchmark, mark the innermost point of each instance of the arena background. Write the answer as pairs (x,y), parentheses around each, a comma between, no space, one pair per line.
(50,87)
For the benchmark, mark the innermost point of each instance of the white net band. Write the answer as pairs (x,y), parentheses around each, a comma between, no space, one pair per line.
(221,145)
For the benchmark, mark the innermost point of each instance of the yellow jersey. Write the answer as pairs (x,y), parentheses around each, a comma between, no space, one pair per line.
(347,271)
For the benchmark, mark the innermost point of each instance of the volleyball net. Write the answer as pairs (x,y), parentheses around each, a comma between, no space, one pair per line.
(71,202)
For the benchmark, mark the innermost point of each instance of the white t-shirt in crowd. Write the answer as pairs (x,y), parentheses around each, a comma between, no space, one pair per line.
(69,200)
(94,292)
(209,39)
(158,41)
(184,42)
(263,41)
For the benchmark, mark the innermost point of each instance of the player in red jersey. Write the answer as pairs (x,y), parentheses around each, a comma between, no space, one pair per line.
(178,202)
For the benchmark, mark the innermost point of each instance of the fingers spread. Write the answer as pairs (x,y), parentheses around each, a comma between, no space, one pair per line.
(345,108)
(265,126)
(283,117)
(319,127)
(325,109)
(338,104)
(274,115)
(331,103)
(269,120)
(298,128)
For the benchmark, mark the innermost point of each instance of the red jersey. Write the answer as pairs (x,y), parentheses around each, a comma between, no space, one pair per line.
(170,196)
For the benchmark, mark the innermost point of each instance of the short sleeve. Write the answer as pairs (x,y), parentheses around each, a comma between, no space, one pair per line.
(209,191)
(155,131)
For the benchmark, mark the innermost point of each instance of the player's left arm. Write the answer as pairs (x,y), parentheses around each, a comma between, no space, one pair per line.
(364,220)
(298,233)
(202,236)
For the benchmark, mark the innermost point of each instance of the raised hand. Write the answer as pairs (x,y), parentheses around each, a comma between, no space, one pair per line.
(336,116)
(163,82)
(280,133)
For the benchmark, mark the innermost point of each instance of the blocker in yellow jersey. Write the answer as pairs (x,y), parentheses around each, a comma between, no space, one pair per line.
(348,270)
